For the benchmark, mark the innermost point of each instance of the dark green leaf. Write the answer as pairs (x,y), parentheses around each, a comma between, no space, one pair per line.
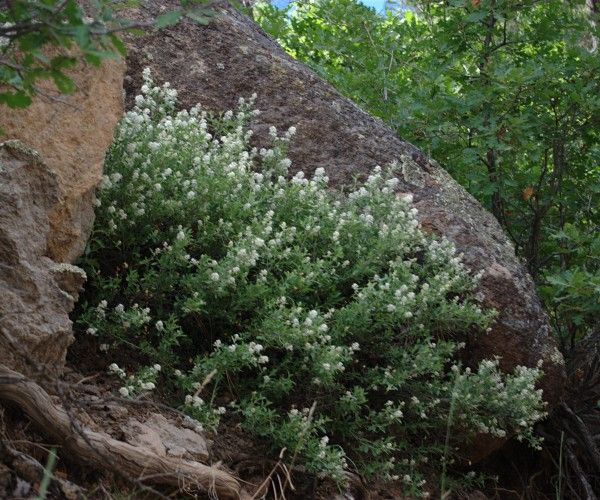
(18,99)
(64,84)
(118,44)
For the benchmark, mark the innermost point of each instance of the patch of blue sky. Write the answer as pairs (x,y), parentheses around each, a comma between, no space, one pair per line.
(378,5)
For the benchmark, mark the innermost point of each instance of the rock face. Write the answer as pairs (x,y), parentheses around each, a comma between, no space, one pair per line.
(72,133)
(216,64)
(34,311)
(50,163)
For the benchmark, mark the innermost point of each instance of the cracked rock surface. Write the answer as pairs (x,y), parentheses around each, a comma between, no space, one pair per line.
(50,164)
(71,133)
(34,310)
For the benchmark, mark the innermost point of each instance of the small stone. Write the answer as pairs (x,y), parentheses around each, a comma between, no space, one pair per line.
(167,437)
(176,451)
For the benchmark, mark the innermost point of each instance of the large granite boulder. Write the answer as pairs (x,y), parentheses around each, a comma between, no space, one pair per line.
(231,57)
(50,163)
(71,133)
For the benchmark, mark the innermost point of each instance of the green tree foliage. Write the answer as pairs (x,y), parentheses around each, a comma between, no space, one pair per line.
(41,39)
(504,93)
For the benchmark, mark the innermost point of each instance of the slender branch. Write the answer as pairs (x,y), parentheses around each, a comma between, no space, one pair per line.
(585,435)
(581,476)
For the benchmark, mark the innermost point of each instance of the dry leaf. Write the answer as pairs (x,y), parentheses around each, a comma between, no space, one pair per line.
(527,193)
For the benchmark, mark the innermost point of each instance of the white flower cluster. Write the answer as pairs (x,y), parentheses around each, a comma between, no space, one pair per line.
(284,291)
(509,399)
(5,41)
(144,380)
(203,413)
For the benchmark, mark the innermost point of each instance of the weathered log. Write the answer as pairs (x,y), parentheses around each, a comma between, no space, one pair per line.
(104,452)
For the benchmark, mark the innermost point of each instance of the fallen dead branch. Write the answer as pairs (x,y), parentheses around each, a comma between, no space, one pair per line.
(104,452)
(261,491)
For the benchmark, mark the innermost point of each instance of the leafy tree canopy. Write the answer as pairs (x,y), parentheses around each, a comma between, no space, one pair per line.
(504,93)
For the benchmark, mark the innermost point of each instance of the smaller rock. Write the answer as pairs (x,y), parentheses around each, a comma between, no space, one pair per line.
(139,434)
(34,310)
(5,477)
(22,489)
(166,438)
(177,451)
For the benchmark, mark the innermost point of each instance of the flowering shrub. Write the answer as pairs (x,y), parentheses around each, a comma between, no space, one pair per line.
(328,324)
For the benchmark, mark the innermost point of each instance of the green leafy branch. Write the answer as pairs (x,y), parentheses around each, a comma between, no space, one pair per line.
(42,39)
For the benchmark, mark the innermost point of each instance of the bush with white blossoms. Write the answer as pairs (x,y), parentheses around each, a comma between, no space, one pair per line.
(144,380)
(328,324)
